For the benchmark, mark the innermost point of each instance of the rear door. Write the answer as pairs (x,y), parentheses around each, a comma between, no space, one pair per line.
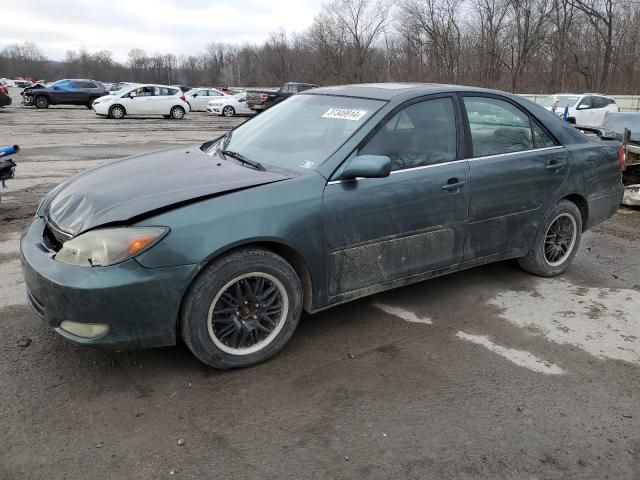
(381,230)
(515,171)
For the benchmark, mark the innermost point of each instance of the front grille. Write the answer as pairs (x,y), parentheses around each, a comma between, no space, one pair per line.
(54,237)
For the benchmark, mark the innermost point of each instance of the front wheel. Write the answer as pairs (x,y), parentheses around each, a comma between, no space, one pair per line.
(117,112)
(228,111)
(556,242)
(242,309)
(41,102)
(177,113)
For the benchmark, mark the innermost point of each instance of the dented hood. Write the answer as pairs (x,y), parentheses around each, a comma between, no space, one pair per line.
(125,189)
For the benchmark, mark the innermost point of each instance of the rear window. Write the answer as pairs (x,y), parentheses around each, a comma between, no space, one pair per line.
(164,91)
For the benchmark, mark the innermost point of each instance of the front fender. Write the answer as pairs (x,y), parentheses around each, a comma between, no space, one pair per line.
(287,213)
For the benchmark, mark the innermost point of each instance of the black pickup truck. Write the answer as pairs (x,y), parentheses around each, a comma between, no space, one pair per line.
(261,100)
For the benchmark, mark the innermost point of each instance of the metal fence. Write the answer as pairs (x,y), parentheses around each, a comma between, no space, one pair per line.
(627,103)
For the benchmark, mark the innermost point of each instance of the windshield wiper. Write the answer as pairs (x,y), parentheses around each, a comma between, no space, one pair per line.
(241,158)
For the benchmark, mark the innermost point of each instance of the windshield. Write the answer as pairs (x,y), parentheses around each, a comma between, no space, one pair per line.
(560,101)
(299,133)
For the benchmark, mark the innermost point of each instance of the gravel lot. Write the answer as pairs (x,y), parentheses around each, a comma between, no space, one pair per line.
(489,373)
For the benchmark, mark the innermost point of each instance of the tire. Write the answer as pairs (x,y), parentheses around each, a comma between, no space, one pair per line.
(217,339)
(41,101)
(177,113)
(228,111)
(117,112)
(556,242)
(91,100)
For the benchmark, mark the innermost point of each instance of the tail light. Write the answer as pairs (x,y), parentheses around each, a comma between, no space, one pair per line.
(622,158)
(4,89)
(263,97)
(183,98)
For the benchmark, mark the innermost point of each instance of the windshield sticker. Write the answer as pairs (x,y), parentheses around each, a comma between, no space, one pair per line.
(307,164)
(344,114)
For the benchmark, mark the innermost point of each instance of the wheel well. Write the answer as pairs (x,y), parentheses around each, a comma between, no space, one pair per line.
(291,256)
(582,205)
(299,265)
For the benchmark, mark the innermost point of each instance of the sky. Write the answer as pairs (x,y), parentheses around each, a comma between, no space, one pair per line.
(157,26)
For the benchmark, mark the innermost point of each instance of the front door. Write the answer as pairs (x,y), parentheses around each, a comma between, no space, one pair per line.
(380,230)
(515,172)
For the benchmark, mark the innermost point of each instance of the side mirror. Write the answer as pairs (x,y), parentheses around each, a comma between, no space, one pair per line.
(582,106)
(241,100)
(133,95)
(367,166)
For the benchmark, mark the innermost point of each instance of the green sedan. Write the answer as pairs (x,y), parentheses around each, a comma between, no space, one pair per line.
(334,194)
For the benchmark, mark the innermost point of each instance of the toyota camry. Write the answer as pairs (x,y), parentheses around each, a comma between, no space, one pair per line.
(331,195)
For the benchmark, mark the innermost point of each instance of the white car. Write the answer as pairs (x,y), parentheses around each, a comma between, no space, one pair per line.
(7,83)
(230,105)
(587,109)
(199,98)
(143,100)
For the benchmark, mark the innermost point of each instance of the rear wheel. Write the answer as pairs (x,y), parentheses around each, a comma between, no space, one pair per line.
(228,111)
(117,112)
(177,113)
(90,103)
(41,102)
(242,309)
(556,242)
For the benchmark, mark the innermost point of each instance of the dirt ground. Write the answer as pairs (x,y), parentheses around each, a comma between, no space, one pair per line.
(489,373)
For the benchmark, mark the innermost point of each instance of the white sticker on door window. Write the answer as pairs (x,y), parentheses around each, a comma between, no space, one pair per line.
(344,114)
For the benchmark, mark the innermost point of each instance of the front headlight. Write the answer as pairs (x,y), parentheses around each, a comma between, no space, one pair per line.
(107,246)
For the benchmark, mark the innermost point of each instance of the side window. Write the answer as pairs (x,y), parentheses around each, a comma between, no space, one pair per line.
(421,134)
(540,138)
(497,127)
(586,102)
(63,85)
(600,102)
(145,91)
(172,91)
(86,85)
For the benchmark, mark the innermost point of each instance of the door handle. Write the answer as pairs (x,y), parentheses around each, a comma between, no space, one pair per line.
(555,165)
(453,184)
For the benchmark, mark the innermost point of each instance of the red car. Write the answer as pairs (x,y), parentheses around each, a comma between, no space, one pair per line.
(5,99)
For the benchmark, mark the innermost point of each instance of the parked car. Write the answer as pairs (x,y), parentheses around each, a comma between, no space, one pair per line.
(5,98)
(23,83)
(262,100)
(229,106)
(64,92)
(199,98)
(7,82)
(335,194)
(588,109)
(162,100)
(121,87)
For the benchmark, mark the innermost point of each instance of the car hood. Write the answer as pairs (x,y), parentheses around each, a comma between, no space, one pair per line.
(135,186)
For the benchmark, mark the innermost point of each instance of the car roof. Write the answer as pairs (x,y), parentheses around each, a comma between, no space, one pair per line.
(388,91)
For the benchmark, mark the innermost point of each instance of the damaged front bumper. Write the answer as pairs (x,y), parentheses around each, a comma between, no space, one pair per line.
(139,306)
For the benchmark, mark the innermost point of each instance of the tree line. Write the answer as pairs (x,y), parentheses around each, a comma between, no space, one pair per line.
(528,46)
